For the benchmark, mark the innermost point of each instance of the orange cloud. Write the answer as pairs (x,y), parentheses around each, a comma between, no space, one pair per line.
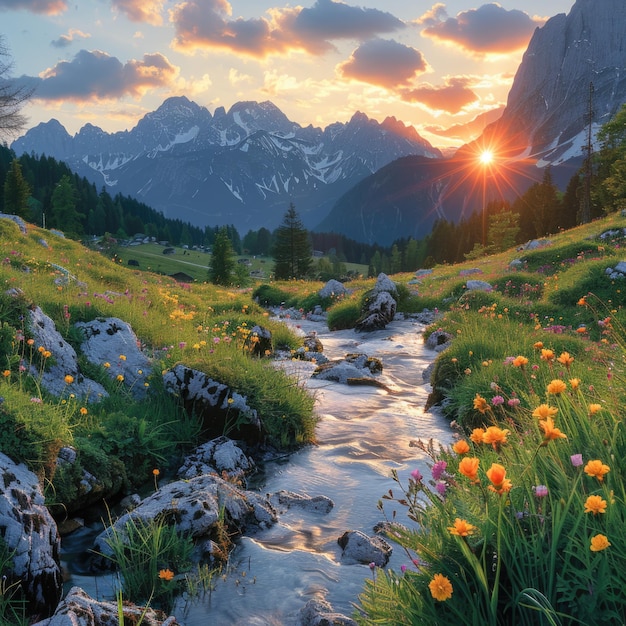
(451,97)
(65,40)
(47,7)
(148,11)
(487,29)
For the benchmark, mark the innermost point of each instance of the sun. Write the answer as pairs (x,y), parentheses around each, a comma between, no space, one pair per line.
(486,157)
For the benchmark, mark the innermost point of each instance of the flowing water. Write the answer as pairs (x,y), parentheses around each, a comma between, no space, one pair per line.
(364,433)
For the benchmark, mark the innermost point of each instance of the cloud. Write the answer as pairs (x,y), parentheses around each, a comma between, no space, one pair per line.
(66,40)
(383,62)
(48,7)
(148,11)
(95,75)
(451,97)
(487,29)
(470,130)
(209,24)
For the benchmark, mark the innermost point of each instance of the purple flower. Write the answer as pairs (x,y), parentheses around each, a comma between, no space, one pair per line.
(416,475)
(182,344)
(372,566)
(497,400)
(577,460)
(441,488)
(513,402)
(403,568)
(541,491)
(438,469)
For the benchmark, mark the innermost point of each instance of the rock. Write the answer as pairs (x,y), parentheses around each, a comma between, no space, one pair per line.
(32,537)
(17,219)
(315,504)
(259,341)
(332,289)
(535,244)
(318,612)
(379,305)
(79,609)
(303,354)
(197,506)
(478,285)
(223,411)
(353,366)
(422,272)
(359,548)
(64,363)
(219,455)
(113,341)
(312,343)
(438,340)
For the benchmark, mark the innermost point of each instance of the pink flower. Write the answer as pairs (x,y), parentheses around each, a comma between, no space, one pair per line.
(577,460)
(438,469)
(497,400)
(513,402)
(541,491)
(441,488)
(416,475)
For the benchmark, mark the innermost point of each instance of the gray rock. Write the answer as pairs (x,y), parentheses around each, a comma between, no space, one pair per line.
(318,612)
(218,455)
(422,272)
(17,219)
(621,267)
(31,535)
(312,343)
(478,285)
(65,362)
(79,609)
(353,366)
(438,340)
(378,311)
(359,548)
(385,284)
(111,340)
(535,244)
(259,341)
(332,289)
(315,504)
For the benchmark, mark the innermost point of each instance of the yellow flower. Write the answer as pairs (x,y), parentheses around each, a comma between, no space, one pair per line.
(469,467)
(480,404)
(544,411)
(594,408)
(440,588)
(477,435)
(497,475)
(68,379)
(83,410)
(461,447)
(556,387)
(595,505)
(597,468)
(495,436)
(166,574)
(122,357)
(565,359)
(107,365)
(599,543)
(574,382)
(520,361)
(461,528)
(119,378)
(549,430)
(47,354)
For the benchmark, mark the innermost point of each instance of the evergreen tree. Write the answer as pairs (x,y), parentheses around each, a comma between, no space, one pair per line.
(292,249)
(16,191)
(222,259)
(64,212)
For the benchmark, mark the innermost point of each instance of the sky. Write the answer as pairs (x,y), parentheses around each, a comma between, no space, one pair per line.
(443,67)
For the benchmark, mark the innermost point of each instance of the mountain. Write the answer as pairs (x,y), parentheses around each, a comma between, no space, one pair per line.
(574,63)
(243,166)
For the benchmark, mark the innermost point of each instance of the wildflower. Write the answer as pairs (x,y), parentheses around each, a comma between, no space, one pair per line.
(47,354)
(497,400)
(594,408)
(461,447)
(513,402)
(30,342)
(595,505)
(581,330)
(83,410)
(574,382)
(547,355)
(565,359)
(477,435)
(480,404)
(576,459)
(155,472)
(122,357)
(403,568)
(230,400)
(556,387)
(438,469)
(461,528)
(106,364)
(495,436)
(541,491)
(520,361)
(166,574)
(497,475)
(597,468)
(68,379)
(182,345)
(119,378)
(582,302)
(469,467)
(543,411)
(599,543)
(549,430)
(538,345)
(6,373)
(36,400)
(441,487)
(416,475)
(440,588)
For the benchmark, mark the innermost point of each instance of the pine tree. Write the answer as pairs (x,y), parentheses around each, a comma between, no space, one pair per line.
(292,249)
(64,212)
(16,191)
(222,259)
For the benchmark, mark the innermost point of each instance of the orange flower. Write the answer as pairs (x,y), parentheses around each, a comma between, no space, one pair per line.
(155,472)
(599,543)
(119,378)
(538,345)
(574,382)
(544,411)
(166,574)
(480,404)
(83,411)
(594,408)
(565,359)
(520,361)
(547,355)
(440,588)
(461,447)
(582,301)
(597,468)
(549,430)
(6,373)
(556,387)
(477,435)
(469,467)
(595,505)
(497,475)
(461,528)
(495,436)
(68,379)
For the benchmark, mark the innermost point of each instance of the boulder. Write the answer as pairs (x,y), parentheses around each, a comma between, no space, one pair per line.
(259,341)
(318,612)
(359,548)
(221,456)
(349,369)
(79,609)
(478,285)
(312,343)
(332,289)
(63,363)
(438,340)
(222,411)
(111,340)
(31,536)
(314,504)
(379,305)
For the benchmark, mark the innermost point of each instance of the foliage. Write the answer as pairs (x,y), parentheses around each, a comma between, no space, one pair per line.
(344,313)
(12,602)
(222,260)
(16,190)
(292,249)
(271,295)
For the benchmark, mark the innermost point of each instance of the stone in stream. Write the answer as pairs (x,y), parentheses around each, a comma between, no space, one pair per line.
(359,548)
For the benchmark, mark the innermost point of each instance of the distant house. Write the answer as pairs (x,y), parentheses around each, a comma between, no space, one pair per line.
(181,277)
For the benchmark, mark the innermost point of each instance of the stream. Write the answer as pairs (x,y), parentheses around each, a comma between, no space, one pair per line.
(364,433)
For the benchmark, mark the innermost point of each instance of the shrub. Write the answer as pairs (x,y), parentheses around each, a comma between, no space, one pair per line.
(344,314)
